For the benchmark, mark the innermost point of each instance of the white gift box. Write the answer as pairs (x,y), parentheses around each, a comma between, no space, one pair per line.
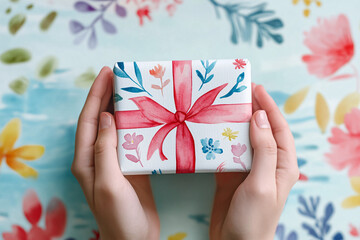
(183,116)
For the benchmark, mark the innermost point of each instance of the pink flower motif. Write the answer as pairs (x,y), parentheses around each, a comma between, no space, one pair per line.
(132,141)
(55,220)
(331,45)
(345,147)
(239,63)
(238,150)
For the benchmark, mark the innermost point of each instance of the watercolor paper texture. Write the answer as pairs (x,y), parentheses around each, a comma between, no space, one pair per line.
(183,116)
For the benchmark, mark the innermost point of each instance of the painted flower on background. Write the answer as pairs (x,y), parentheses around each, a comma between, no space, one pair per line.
(132,141)
(354,231)
(8,137)
(210,147)
(228,133)
(238,150)
(239,63)
(331,45)
(142,13)
(345,146)
(55,220)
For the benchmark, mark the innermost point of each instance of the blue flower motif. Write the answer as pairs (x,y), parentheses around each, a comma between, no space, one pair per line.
(210,147)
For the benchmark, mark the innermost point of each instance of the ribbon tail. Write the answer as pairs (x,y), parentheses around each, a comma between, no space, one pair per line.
(157,141)
(185,150)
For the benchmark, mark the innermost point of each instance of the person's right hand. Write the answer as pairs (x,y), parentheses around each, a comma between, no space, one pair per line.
(124,208)
(248,206)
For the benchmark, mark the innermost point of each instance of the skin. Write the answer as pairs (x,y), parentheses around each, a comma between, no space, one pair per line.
(246,206)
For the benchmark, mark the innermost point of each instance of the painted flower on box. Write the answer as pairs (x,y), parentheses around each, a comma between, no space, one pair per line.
(230,134)
(238,150)
(239,63)
(210,147)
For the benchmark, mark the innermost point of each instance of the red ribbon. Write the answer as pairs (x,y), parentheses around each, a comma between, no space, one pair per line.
(152,114)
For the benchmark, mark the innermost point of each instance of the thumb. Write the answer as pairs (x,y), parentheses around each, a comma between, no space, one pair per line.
(106,160)
(263,168)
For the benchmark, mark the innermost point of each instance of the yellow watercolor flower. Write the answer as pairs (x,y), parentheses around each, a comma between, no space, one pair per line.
(353,201)
(178,236)
(228,133)
(8,137)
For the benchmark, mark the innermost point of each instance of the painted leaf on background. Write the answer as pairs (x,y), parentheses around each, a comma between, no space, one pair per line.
(351,202)
(15,55)
(295,100)
(16,22)
(47,66)
(86,79)
(19,85)
(47,21)
(322,112)
(346,104)
(178,236)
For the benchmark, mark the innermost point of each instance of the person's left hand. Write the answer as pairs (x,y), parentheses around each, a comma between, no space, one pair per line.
(124,208)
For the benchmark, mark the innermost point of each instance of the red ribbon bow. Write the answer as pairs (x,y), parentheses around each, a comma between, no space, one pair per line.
(152,114)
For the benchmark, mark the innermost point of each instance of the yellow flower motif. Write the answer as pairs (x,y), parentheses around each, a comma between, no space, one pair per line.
(307,4)
(228,133)
(178,236)
(8,137)
(353,201)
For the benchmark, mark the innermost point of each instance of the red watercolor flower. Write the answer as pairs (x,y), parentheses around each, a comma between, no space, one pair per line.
(353,231)
(55,220)
(239,63)
(142,13)
(345,147)
(331,45)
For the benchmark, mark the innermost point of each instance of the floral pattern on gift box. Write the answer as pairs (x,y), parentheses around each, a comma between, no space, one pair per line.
(230,134)
(55,220)
(239,63)
(235,88)
(208,68)
(132,143)
(158,72)
(210,147)
(238,150)
(8,137)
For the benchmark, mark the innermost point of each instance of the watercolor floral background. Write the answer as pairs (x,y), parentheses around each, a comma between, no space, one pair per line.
(304,52)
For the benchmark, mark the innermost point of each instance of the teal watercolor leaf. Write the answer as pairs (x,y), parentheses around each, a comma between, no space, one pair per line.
(208,68)
(117,98)
(235,88)
(133,89)
(120,72)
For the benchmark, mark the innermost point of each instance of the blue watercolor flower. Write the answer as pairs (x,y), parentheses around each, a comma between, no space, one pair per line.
(210,147)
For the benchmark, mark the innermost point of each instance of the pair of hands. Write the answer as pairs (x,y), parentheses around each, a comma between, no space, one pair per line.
(246,206)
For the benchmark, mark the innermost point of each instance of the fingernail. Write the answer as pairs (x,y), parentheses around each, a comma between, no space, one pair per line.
(105,121)
(262,120)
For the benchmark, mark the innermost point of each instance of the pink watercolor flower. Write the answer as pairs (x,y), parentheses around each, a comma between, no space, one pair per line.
(132,141)
(345,147)
(55,220)
(239,63)
(238,150)
(331,45)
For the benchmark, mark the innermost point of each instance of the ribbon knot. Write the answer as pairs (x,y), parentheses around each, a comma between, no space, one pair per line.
(152,114)
(180,116)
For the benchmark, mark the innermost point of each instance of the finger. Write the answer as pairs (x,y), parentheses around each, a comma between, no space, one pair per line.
(88,120)
(263,167)
(279,126)
(107,168)
(255,104)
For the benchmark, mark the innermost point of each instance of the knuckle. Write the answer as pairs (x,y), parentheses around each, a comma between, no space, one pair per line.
(100,146)
(106,190)
(270,147)
(259,190)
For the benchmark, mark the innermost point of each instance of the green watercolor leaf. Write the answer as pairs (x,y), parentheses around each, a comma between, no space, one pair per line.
(47,21)
(16,22)
(8,10)
(15,55)
(86,79)
(117,97)
(30,6)
(14,1)
(19,85)
(47,66)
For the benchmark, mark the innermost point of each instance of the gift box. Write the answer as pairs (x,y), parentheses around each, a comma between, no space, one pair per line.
(183,116)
